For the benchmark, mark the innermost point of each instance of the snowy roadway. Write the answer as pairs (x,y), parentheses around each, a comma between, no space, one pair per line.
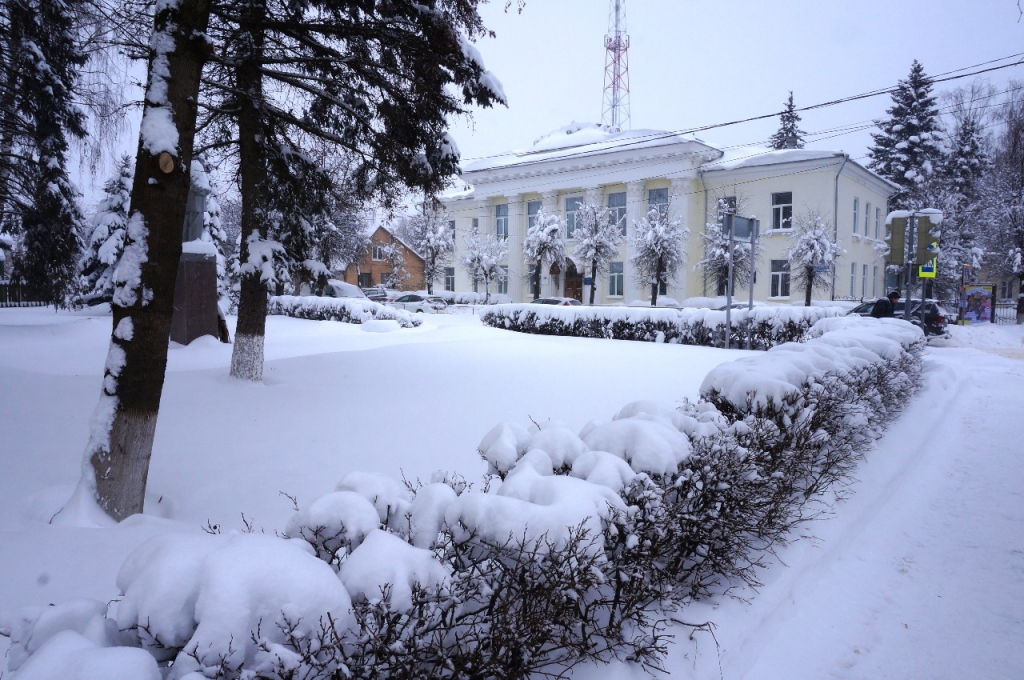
(920,574)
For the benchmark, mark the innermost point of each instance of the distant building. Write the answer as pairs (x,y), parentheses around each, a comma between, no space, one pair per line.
(373,267)
(630,171)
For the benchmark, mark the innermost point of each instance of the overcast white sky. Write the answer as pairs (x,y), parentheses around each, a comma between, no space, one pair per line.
(694,63)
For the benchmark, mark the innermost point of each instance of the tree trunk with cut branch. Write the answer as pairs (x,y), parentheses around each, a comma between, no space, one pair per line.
(121,443)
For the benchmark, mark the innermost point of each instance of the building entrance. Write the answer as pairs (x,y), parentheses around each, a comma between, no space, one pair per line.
(573,282)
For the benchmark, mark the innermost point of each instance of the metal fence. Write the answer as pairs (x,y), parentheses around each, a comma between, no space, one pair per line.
(1006,312)
(17,295)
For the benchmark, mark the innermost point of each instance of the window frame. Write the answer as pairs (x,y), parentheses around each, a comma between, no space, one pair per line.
(531,214)
(502,284)
(864,281)
(853,279)
(449,279)
(780,285)
(570,215)
(878,223)
(377,252)
(782,212)
(501,221)
(856,216)
(617,213)
(657,202)
(616,279)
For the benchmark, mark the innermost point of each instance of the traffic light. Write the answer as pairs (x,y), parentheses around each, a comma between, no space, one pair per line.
(897,240)
(927,246)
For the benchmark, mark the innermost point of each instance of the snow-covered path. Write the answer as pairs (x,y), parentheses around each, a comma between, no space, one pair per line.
(920,574)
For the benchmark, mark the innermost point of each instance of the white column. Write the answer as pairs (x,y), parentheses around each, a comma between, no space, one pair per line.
(516,234)
(679,209)
(636,211)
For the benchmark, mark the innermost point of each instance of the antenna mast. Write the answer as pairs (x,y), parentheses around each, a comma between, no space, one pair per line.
(615,112)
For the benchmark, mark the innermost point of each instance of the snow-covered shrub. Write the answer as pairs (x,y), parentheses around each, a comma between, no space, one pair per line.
(764,326)
(576,551)
(345,310)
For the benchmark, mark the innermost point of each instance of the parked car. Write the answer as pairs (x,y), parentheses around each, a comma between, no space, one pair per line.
(936,318)
(419,303)
(340,289)
(382,294)
(561,301)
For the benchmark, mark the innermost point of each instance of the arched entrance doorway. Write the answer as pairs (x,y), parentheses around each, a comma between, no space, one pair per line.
(573,281)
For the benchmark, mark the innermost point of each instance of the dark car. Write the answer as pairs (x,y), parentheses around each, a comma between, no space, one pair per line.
(564,302)
(936,319)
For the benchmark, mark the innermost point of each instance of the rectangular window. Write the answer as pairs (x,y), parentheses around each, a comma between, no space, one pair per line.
(532,208)
(878,223)
(874,281)
(451,226)
(503,280)
(727,204)
(867,219)
(658,198)
(572,204)
(780,278)
(617,210)
(365,279)
(615,279)
(864,282)
(856,216)
(782,210)
(534,290)
(476,224)
(449,278)
(501,221)
(378,253)
(853,279)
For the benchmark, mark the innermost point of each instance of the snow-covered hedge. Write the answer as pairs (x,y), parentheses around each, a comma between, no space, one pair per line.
(764,326)
(345,310)
(471,298)
(577,549)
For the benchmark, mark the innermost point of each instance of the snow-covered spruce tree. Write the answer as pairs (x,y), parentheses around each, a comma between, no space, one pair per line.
(433,239)
(659,246)
(714,264)
(38,116)
(597,241)
(124,423)
(378,82)
(812,258)
(543,246)
(960,190)
(789,135)
(907,149)
(482,259)
(105,243)
(1002,235)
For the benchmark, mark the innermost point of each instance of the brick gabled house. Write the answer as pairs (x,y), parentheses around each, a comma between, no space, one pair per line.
(373,267)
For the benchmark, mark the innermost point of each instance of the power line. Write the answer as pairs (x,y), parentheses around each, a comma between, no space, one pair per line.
(947,76)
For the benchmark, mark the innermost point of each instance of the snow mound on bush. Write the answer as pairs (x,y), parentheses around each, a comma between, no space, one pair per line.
(650,446)
(69,655)
(384,562)
(341,519)
(209,595)
(389,496)
(503,445)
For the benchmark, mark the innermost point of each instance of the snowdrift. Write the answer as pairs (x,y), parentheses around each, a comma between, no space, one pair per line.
(345,310)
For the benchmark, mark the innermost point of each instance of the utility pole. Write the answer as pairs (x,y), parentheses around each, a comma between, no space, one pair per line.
(615,110)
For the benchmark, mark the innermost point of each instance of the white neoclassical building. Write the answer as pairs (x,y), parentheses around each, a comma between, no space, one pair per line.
(631,171)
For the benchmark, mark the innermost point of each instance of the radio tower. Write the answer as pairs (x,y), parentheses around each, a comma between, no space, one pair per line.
(615,112)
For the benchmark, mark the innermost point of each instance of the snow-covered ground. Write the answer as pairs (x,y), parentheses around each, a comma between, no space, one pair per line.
(919,575)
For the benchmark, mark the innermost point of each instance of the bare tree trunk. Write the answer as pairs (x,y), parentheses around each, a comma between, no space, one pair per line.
(247,352)
(124,424)
(809,275)
(536,281)
(593,280)
(658,273)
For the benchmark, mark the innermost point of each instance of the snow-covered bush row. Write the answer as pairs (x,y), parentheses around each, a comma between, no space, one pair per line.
(576,548)
(764,326)
(346,310)
(471,298)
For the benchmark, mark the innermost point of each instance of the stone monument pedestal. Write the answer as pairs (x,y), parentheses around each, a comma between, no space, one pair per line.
(195,298)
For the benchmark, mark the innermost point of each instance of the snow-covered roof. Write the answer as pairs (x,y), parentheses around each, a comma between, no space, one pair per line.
(391,232)
(753,156)
(575,140)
